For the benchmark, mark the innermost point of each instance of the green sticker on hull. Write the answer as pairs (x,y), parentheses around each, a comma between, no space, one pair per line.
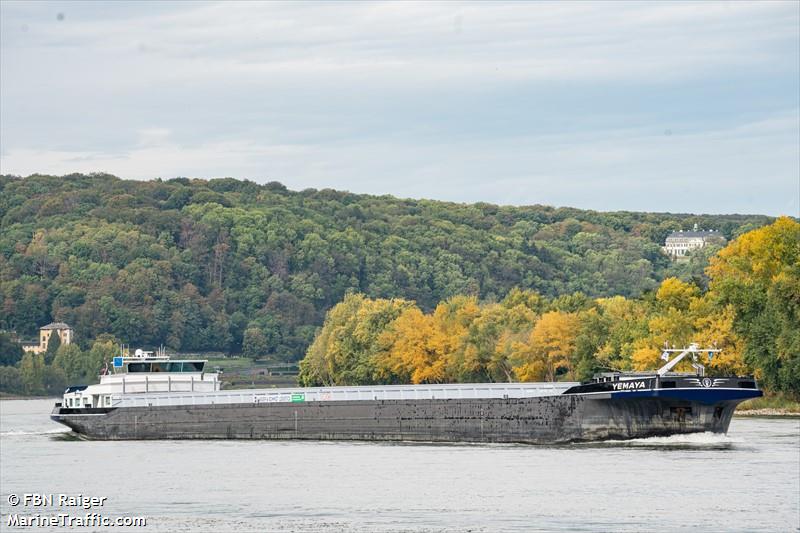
(298,397)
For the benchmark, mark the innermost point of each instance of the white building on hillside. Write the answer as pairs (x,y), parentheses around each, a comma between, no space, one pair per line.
(679,243)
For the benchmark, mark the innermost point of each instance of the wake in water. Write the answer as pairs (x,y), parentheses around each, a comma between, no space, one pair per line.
(707,440)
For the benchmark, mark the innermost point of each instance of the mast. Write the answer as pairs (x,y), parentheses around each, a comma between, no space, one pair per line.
(693,349)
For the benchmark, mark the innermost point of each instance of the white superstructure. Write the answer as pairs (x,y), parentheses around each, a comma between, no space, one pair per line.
(143,373)
(149,379)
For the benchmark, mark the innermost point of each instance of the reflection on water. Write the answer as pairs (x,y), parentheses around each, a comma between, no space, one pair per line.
(748,480)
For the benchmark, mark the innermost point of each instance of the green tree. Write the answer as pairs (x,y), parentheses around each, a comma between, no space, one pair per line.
(758,275)
(347,349)
(255,344)
(10,351)
(101,353)
(32,370)
(53,344)
(70,361)
(53,380)
(11,380)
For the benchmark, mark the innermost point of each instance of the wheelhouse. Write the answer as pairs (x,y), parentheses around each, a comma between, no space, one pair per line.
(144,372)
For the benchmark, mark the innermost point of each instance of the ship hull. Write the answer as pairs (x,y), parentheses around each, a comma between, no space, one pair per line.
(538,420)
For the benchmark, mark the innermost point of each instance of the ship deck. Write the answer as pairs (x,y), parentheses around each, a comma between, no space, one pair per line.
(355,393)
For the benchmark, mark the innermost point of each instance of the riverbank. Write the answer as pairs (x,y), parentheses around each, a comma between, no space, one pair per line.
(769,405)
(768,412)
(6,396)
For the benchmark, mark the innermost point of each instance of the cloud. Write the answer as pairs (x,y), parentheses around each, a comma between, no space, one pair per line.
(418,43)
(153,136)
(605,105)
(751,166)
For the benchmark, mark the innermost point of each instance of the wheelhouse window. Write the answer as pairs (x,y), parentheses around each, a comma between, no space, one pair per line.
(171,366)
(193,366)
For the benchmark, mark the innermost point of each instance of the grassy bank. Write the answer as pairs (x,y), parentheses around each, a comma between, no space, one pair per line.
(231,364)
(244,373)
(770,404)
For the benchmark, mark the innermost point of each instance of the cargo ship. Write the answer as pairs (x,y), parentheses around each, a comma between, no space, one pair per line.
(150,396)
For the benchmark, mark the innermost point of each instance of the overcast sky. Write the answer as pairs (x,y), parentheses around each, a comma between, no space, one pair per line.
(682,107)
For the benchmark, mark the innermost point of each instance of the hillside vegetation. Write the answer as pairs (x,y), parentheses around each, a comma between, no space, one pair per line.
(751,312)
(237,267)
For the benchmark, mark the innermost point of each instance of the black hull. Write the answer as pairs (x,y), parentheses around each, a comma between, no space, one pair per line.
(539,420)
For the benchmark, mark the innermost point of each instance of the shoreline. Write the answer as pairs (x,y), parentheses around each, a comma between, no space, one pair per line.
(768,412)
(18,397)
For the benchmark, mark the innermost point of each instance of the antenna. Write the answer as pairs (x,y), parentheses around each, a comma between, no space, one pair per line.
(693,349)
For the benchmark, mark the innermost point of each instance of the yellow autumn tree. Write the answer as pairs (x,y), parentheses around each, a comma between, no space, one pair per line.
(758,256)
(715,329)
(508,326)
(671,327)
(645,355)
(501,365)
(416,348)
(676,294)
(672,323)
(453,319)
(476,357)
(625,321)
(703,324)
(551,346)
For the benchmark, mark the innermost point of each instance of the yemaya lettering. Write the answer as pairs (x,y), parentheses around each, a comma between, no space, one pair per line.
(629,385)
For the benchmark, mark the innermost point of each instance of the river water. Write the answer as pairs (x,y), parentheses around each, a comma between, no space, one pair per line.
(748,480)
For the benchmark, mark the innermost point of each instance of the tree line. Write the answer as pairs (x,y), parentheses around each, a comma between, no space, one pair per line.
(751,311)
(232,266)
(50,372)
(237,267)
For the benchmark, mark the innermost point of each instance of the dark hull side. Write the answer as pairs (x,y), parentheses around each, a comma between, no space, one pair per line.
(540,420)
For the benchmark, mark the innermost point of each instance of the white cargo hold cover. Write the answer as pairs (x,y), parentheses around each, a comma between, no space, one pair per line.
(326,394)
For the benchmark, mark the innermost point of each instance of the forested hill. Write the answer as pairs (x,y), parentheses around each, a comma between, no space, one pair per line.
(213,265)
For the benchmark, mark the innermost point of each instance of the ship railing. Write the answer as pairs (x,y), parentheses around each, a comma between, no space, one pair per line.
(163,382)
(325,394)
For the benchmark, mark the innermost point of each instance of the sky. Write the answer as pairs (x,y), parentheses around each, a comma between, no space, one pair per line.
(641,106)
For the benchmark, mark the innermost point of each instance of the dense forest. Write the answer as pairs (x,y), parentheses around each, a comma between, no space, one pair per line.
(751,312)
(237,267)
